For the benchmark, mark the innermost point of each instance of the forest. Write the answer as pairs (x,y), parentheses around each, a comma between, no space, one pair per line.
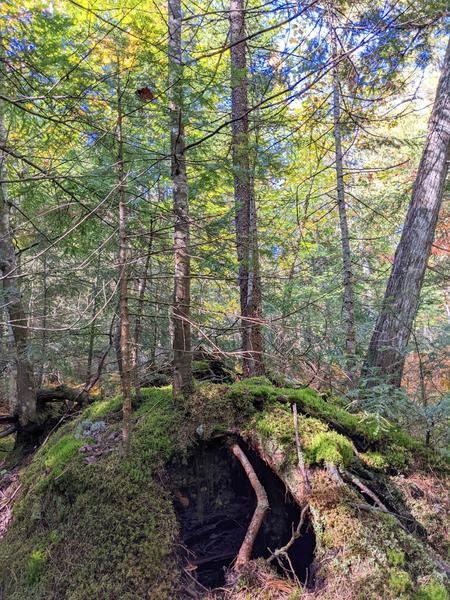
(224,300)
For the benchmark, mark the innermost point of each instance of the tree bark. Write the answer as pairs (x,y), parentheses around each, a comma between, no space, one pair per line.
(245,209)
(182,345)
(347,271)
(26,404)
(124,318)
(388,346)
(140,309)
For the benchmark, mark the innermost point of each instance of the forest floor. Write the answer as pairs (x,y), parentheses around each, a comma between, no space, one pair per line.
(166,521)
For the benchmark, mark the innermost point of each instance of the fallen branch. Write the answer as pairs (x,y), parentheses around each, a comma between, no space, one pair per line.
(365,490)
(11,498)
(295,535)
(262,506)
(300,457)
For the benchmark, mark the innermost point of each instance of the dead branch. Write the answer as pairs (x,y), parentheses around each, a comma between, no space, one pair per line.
(300,457)
(365,490)
(262,506)
(295,535)
(11,498)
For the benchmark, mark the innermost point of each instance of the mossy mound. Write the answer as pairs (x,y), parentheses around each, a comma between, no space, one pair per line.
(105,529)
(90,523)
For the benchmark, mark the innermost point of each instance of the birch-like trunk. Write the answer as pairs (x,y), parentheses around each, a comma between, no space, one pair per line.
(245,209)
(123,266)
(388,346)
(182,351)
(26,397)
(347,271)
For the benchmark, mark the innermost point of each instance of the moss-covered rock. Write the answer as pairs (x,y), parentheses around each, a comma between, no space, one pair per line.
(90,523)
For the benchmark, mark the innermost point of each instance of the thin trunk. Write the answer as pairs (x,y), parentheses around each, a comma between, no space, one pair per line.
(26,405)
(90,357)
(182,350)
(246,221)
(43,366)
(124,319)
(348,300)
(387,350)
(140,310)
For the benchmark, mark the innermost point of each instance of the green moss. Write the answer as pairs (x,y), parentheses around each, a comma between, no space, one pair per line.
(329,447)
(60,453)
(434,590)
(395,558)
(103,408)
(6,446)
(374,460)
(102,530)
(399,581)
(398,449)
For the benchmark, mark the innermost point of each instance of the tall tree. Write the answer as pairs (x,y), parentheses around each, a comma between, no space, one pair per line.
(347,271)
(246,219)
(388,346)
(124,317)
(182,343)
(26,397)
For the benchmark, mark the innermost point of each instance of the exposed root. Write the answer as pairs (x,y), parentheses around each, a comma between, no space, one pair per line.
(262,506)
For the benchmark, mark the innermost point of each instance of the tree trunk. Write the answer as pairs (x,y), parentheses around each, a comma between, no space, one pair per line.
(246,221)
(43,358)
(124,319)
(182,351)
(347,271)
(388,346)
(93,325)
(26,398)
(140,310)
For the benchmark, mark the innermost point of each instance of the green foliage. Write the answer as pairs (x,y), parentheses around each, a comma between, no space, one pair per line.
(36,565)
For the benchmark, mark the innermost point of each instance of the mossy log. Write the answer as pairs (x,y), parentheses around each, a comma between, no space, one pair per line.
(61,393)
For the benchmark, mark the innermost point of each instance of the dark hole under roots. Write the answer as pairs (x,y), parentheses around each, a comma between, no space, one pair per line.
(214,502)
